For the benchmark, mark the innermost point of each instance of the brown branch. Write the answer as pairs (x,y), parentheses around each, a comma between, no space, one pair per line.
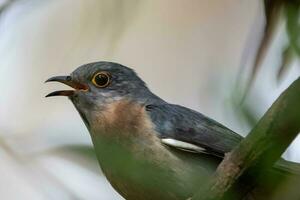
(261,148)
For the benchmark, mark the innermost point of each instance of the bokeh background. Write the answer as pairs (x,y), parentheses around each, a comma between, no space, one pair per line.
(194,53)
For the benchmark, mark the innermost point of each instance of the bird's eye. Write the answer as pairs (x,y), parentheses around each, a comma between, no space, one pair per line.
(101,79)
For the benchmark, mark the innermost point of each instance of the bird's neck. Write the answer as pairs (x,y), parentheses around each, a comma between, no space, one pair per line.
(124,119)
(145,96)
(126,126)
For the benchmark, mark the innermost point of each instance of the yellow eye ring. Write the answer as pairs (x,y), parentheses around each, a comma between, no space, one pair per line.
(101,79)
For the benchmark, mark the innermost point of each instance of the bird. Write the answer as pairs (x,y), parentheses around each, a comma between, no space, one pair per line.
(147,148)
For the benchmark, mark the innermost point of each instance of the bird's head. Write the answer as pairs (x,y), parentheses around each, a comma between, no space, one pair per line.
(95,85)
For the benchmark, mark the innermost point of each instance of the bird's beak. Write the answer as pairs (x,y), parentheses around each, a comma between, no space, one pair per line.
(68,81)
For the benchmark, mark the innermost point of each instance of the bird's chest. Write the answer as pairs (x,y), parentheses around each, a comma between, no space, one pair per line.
(131,156)
(141,172)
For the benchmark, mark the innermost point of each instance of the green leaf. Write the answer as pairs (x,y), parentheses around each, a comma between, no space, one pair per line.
(292,11)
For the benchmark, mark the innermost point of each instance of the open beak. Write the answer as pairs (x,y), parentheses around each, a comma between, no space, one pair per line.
(68,81)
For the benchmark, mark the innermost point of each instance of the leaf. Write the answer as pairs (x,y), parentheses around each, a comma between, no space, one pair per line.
(273,9)
(292,11)
(6,5)
(287,58)
(82,155)
(273,15)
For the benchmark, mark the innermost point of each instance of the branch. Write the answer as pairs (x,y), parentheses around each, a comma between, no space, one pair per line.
(262,147)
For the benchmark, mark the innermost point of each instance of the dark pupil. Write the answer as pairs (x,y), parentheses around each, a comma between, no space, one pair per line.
(101,79)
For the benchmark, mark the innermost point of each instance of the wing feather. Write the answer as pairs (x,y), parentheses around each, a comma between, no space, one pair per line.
(189,130)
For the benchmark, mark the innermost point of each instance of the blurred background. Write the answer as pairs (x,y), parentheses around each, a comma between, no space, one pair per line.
(197,53)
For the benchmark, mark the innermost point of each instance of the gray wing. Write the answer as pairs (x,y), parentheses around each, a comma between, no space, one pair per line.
(189,130)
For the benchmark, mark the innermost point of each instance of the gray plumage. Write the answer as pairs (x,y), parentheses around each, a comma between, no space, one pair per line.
(184,124)
(139,138)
